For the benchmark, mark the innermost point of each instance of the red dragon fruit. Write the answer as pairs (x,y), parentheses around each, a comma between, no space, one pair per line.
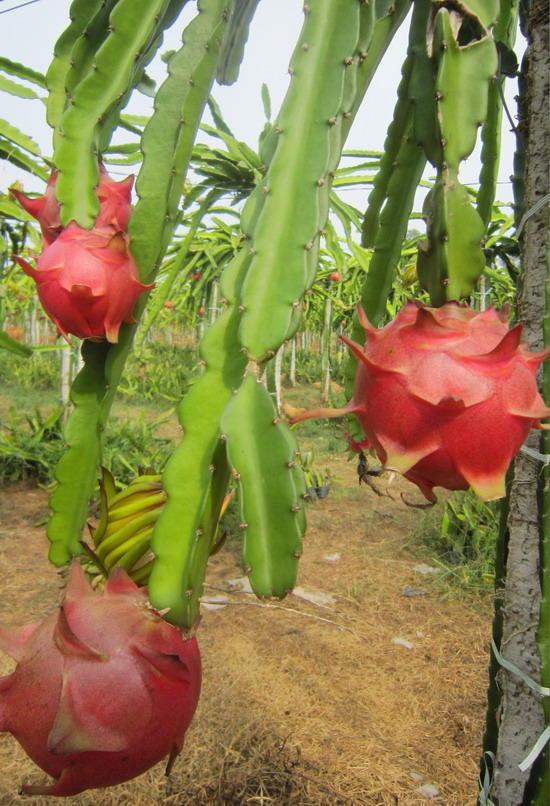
(445,396)
(87,282)
(114,205)
(104,688)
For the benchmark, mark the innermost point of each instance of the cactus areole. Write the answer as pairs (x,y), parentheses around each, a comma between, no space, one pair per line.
(445,396)
(103,689)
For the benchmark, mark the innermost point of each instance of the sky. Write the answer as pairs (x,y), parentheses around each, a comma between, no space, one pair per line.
(28,35)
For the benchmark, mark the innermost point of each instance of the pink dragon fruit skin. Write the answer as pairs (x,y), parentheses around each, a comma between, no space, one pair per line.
(87,282)
(114,205)
(103,689)
(446,396)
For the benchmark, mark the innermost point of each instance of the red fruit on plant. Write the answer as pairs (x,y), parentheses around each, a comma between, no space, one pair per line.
(114,205)
(201,310)
(104,688)
(169,304)
(446,396)
(87,282)
(334,276)
(196,275)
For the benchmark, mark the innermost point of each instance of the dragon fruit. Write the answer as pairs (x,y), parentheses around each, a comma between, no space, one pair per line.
(445,396)
(87,282)
(114,205)
(104,688)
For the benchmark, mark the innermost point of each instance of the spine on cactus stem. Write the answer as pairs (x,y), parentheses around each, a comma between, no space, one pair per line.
(447,116)
(184,96)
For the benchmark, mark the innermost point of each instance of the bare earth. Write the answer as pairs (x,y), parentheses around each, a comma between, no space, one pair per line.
(303,704)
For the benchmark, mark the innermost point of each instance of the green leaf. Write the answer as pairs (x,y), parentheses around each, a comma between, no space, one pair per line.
(20,90)
(16,156)
(19,138)
(22,71)
(266,101)
(13,346)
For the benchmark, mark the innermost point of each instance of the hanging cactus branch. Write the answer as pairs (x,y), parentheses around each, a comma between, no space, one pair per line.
(182,96)
(451,259)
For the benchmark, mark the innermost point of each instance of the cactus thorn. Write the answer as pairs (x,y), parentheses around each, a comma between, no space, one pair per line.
(297,554)
(251,251)
(332,120)
(199,532)
(296,304)
(295,508)
(348,60)
(211,468)
(278,130)
(275,421)
(223,437)
(235,474)
(242,308)
(347,115)
(305,46)
(307,8)
(291,464)
(309,246)
(243,525)
(291,71)
(321,182)
(247,569)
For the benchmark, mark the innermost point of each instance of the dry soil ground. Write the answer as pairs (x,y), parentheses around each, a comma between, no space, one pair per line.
(303,704)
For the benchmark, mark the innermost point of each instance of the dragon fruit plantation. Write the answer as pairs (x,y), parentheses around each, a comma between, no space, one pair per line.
(275,402)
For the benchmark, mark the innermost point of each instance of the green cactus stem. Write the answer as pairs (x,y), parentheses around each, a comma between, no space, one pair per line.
(168,138)
(194,477)
(81,14)
(132,23)
(388,19)
(270,503)
(505,33)
(76,471)
(451,259)
(298,179)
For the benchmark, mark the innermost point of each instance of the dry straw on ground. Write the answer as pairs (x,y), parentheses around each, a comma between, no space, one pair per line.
(295,710)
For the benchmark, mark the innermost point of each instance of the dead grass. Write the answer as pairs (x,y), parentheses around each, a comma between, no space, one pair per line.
(296,710)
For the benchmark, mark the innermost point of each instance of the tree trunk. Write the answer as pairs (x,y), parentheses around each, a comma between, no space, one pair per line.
(325,351)
(214,302)
(521,717)
(292,370)
(65,374)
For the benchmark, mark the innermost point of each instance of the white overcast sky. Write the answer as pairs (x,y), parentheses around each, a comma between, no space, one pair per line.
(28,34)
